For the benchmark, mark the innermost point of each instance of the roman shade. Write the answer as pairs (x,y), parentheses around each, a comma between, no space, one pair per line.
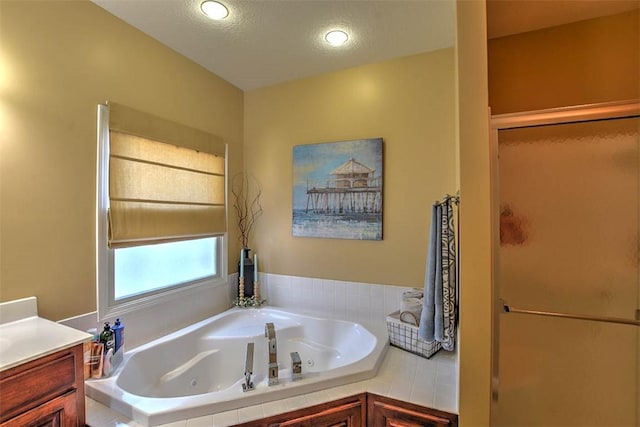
(166,180)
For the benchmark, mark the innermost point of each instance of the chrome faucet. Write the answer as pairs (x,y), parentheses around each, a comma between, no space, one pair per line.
(270,334)
(296,366)
(247,385)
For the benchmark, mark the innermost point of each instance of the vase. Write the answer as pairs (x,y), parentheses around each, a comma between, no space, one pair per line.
(248,273)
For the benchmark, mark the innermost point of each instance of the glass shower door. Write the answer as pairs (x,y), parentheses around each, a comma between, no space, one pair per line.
(567,275)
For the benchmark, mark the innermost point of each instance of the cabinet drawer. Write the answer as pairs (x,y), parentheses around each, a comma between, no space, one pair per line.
(33,383)
(59,412)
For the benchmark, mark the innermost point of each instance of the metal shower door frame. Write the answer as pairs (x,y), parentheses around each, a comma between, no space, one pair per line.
(554,116)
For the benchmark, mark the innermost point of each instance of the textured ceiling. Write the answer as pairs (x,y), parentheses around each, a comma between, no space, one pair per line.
(265,42)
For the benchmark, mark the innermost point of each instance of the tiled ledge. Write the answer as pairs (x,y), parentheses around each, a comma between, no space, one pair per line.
(402,375)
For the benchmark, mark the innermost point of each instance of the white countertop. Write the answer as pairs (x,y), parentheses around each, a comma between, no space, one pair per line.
(404,376)
(25,337)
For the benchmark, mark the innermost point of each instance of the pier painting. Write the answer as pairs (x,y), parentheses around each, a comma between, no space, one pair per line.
(337,190)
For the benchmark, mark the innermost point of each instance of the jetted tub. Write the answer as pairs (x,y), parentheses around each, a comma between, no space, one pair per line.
(199,370)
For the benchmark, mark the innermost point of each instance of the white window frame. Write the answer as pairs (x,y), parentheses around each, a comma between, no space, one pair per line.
(107,306)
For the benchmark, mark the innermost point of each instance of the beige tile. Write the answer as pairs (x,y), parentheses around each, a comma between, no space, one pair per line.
(427,371)
(206,421)
(273,408)
(400,392)
(447,375)
(446,398)
(320,396)
(225,419)
(175,424)
(376,386)
(99,415)
(346,390)
(423,393)
(250,413)
(295,402)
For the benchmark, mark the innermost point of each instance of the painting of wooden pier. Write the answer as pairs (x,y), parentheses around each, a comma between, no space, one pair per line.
(337,190)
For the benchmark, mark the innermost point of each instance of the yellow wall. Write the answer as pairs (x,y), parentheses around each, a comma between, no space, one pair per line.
(58,61)
(409,102)
(475,210)
(581,63)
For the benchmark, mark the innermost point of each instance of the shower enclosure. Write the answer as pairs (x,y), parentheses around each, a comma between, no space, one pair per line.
(566,212)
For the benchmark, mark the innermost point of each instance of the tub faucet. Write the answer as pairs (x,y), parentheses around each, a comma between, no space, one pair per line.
(296,366)
(272,367)
(247,385)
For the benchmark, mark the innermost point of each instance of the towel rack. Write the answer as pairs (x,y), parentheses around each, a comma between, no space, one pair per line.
(507,309)
(455,199)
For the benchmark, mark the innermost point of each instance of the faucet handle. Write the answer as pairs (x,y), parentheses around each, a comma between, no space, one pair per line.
(296,366)
(269,330)
(248,363)
(247,385)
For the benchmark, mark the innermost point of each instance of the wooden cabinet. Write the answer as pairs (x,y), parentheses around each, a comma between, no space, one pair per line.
(363,410)
(45,392)
(348,412)
(386,412)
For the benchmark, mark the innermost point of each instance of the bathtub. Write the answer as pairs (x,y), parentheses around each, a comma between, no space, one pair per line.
(199,370)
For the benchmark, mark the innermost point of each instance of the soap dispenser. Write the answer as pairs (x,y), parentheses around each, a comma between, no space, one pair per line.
(118,332)
(107,338)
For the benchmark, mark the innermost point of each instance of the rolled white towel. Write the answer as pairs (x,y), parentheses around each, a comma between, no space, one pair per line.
(413,306)
(413,293)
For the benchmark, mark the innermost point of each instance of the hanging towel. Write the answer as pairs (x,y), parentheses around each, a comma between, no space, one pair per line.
(438,319)
(427,318)
(449,278)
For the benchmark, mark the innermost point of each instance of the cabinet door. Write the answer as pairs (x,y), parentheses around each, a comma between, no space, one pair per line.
(346,412)
(346,415)
(59,412)
(385,412)
(31,385)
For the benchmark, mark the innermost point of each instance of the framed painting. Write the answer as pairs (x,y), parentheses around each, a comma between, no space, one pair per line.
(337,190)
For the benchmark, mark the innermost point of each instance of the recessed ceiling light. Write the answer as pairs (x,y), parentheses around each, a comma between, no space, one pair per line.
(336,37)
(214,9)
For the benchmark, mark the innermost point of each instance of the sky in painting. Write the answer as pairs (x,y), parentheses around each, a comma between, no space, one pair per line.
(313,163)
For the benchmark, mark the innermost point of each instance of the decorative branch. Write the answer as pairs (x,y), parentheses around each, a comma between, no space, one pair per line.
(247,206)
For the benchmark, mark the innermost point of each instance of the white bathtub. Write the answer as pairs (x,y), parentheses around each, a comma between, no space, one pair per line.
(199,370)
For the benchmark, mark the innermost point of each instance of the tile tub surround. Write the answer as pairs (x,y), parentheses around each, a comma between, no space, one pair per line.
(358,302)
(402,375)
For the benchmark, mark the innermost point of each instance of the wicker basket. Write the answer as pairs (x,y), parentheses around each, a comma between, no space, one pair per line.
(405,335)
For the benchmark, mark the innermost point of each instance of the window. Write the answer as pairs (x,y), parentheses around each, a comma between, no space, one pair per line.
(143,269)
(161,215)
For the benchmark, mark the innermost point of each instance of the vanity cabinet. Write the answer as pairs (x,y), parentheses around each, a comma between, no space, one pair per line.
(386,412)
(48,391)
(363,410)
(347,412)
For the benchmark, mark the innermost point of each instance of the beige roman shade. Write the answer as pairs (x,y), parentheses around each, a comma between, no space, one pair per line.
(166,180)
